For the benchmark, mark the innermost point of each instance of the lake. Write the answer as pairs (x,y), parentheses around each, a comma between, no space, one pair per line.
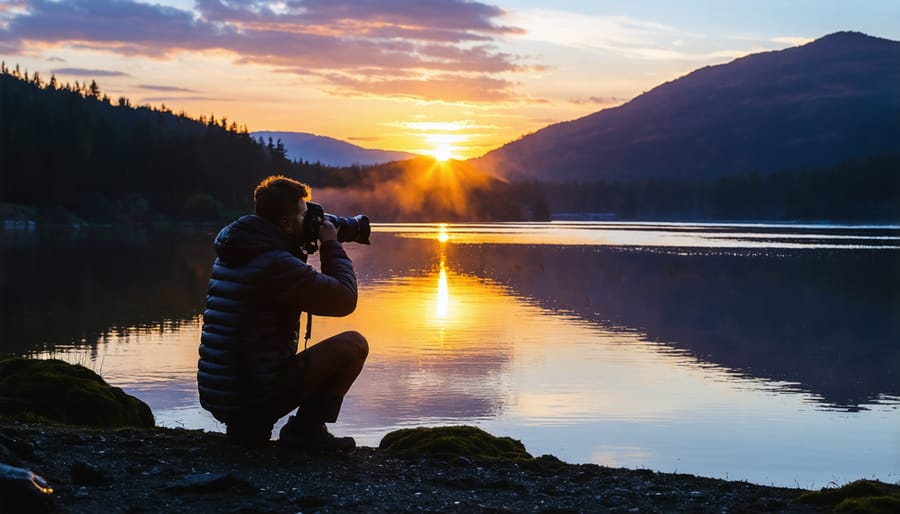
(758,352)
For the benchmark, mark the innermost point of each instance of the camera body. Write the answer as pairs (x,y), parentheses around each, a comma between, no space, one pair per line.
(354,230)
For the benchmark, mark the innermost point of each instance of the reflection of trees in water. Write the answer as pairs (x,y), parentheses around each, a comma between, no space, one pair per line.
(59,287)
(828,320)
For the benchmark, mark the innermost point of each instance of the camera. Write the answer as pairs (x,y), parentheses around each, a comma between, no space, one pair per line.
(349,230)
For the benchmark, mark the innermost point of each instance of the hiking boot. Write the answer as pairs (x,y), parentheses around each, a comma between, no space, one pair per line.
(295,436)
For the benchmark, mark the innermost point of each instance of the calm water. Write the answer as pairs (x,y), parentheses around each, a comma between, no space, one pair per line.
(766,353)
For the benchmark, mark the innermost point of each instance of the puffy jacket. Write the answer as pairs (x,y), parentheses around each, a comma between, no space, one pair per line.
(258,288)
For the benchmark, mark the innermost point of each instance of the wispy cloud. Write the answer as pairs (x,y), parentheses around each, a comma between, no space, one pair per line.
(87,72)
(358,46)
(600,100)
(792,40)
(621,35)
(171,89)
(164,99)
(447,88)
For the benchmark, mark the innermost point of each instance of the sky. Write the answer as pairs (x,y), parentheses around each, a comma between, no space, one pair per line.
(451,78)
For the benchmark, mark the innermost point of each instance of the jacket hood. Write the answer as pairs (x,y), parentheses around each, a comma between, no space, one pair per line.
(248,237)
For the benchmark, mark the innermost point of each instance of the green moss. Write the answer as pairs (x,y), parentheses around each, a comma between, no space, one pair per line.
(860,497)
(448,442)
(60,392)
(869,505)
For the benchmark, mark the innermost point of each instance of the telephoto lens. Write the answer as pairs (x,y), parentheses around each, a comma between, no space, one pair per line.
(351,230)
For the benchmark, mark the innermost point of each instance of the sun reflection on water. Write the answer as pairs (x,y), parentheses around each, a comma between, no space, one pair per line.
(442,305)
(443,236)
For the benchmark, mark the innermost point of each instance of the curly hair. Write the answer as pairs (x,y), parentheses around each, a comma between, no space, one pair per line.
(277,196)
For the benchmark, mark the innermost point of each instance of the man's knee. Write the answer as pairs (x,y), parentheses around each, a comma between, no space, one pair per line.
(357,342)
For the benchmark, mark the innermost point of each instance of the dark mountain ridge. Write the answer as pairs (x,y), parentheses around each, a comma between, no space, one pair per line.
(820,104)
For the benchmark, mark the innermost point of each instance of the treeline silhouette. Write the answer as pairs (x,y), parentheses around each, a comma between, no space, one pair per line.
(69,153)
(865,190)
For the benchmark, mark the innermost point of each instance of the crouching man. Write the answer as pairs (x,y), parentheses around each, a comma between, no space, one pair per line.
(250,373)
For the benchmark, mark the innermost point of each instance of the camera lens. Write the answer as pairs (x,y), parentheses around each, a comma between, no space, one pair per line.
(352,230)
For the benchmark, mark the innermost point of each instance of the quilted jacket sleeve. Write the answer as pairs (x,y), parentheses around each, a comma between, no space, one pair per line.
(332,292)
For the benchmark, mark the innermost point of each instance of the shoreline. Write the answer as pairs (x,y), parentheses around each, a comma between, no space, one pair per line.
(178,470)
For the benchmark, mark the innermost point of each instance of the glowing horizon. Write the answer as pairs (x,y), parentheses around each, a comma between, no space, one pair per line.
(452,79)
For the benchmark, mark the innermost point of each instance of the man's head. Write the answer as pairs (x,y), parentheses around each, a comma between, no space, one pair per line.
(282,201)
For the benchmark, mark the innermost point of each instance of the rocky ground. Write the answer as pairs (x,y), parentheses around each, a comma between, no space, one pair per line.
(172,470)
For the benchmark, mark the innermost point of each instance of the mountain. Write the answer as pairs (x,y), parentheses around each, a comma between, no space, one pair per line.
(833,100)
(330,151)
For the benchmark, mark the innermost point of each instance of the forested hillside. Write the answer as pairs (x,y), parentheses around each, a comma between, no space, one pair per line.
(69,153)
(834,100)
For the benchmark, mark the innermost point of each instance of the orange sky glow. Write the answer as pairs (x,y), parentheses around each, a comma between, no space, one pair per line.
(446,78)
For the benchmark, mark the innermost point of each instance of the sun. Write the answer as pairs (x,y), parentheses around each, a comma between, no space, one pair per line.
(443,152)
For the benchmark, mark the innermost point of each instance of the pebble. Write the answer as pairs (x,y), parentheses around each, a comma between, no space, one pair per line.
(208,482)
(83,473)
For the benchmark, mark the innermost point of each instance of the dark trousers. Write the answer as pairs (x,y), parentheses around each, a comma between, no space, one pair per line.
(314,382)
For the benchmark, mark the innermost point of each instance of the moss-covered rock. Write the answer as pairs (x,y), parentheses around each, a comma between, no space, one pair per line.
(869,505)
(860,497)
(56,391)
(449,442)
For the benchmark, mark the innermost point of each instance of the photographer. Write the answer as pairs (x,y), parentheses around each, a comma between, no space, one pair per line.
(250,373)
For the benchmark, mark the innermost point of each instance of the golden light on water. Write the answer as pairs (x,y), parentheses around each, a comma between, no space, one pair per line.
(443,237)
(442,304)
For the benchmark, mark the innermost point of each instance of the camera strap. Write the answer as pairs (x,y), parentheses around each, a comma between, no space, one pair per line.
(308,330)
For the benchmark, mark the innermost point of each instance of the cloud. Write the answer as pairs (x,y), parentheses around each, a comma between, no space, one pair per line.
(448,88)
(171,89)
(371,42)
(600,100)
(619,33)
(86,72)
(164,99)
(622,35)
(792,40)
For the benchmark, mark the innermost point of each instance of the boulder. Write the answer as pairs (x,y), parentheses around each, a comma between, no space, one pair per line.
(452,442)
(56,391)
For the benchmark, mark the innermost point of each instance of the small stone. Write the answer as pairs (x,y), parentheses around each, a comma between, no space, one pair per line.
(15,446)
(83,473)
(462,462)
(208,482)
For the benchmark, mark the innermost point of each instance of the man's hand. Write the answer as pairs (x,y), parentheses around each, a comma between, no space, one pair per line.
(327,231)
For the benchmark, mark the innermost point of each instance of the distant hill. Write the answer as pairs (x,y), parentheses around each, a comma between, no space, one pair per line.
(834,100)
(330,151)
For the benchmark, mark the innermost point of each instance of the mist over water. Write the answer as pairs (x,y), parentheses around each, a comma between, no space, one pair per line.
(756,352)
